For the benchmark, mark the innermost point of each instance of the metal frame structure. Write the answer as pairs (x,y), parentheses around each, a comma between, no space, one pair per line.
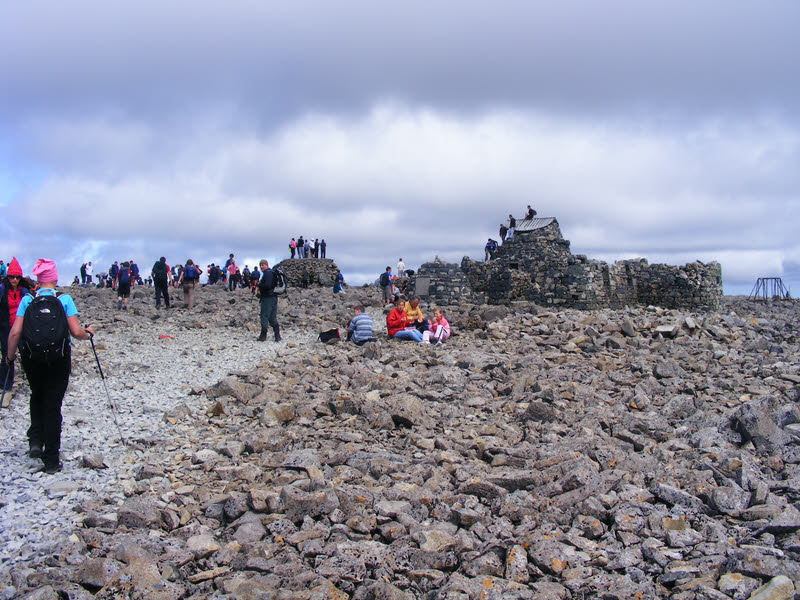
(769,288)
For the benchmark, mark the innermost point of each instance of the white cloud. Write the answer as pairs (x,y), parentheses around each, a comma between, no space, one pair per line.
(415,182)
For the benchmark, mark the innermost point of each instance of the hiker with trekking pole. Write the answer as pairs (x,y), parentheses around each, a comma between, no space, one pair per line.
(41,331)
(12,290)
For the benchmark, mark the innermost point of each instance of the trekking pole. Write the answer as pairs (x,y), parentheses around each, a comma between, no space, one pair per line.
(108,396)
(5,383)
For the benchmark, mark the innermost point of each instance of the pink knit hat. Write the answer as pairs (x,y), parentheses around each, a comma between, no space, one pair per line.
(45,271)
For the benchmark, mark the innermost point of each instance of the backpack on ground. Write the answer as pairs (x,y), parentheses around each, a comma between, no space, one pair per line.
(278,281)
(124,275)
(331,336)
(384,279)
(45,333)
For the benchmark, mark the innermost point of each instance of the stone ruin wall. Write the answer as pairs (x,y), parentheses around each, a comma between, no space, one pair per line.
(321,271)
(442,283)
(537,266)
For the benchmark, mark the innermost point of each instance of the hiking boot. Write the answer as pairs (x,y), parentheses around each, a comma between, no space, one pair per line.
(277,331)
(35,450)
(51,467)
(119,304)
(263,336)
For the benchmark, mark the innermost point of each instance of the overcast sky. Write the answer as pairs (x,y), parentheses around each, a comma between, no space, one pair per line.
(669,131)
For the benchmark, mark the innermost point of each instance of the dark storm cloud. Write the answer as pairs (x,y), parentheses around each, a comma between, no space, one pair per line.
(276,59)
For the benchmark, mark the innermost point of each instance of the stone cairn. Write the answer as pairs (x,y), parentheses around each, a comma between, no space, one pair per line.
(321,271)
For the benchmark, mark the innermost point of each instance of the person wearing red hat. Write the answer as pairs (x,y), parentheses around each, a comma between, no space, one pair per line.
(48,377)
(12,290)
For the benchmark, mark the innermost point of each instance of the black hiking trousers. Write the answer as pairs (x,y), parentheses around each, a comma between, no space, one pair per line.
(161,289)
(48,383)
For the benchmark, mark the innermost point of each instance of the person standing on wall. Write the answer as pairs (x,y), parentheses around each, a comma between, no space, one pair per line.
(512,224)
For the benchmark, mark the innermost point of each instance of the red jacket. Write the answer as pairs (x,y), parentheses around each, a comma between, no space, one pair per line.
(395,321)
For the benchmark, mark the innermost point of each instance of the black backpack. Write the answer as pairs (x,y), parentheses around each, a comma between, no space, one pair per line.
(278,281)
(45,333)
(384,279)
(160,271)
(331,336)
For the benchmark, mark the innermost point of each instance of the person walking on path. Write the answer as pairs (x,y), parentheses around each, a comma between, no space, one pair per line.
(159,273)
(48,378)
(189,278)
(231,268)
(13,289)
(269,302)
(123,286)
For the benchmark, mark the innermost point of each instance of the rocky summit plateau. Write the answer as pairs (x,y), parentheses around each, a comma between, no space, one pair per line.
(540,453)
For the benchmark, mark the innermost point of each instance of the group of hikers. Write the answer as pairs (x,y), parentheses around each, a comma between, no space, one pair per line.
(305,248)
(506,233)
(405,321)
(38,323)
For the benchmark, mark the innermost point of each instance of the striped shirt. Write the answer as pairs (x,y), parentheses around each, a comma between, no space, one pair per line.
(361,327)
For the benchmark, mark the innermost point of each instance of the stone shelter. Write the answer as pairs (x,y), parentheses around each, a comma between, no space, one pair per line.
(536,265)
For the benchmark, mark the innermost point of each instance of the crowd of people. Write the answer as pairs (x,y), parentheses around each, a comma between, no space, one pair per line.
(37,322)
(305,248)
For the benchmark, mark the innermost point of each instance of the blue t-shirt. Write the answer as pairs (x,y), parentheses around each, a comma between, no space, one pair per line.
(66,302)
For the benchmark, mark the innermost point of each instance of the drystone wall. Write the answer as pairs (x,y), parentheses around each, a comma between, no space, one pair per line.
(443,284)
(537,266)
(321,271)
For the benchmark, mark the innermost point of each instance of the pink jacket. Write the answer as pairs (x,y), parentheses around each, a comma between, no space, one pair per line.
(433,324)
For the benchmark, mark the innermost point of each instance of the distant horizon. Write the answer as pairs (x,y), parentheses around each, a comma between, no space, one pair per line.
(411,130)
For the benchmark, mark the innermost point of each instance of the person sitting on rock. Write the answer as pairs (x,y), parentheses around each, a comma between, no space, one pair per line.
(438,329)
(530,213)
(359,329)
(398,325)
(414,314)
